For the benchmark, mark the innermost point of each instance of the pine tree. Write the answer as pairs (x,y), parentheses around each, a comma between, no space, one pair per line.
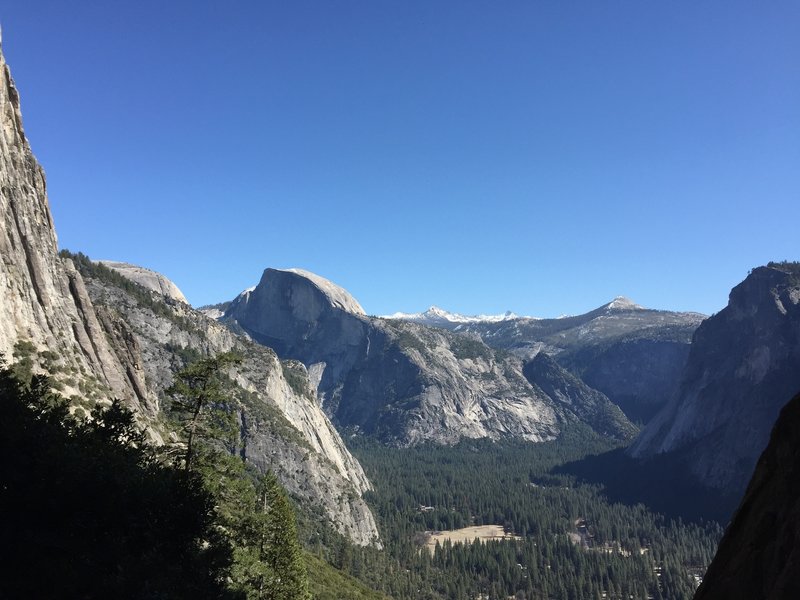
(254,511)
(201,402)
(287,578)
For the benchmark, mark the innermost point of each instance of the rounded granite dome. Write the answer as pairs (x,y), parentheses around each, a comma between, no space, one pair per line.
(146,278)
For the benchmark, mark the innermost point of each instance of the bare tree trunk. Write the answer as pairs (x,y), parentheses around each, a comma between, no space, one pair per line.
(192,427)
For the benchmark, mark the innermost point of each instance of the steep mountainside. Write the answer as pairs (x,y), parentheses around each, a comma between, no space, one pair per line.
(631,354)
(586,403)
(743,365)
(282,427)
(401,382)
(104,338)
(759,556)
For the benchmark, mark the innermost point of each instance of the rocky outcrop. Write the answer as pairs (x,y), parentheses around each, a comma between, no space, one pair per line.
(631,354)
(759,555)
(743,364)
(456,387)
(151,280)
(589,405)
(283,428)
(395,380)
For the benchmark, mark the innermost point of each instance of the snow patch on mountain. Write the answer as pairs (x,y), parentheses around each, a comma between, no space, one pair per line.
(438,315)
(623,303)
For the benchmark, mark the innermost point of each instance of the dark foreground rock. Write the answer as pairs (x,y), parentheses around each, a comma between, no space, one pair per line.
(759,556)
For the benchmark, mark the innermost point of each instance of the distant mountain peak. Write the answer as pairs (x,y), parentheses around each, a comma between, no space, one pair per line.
(435,315)
(623,303)
(443,318)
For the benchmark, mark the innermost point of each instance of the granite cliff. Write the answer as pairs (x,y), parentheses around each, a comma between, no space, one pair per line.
(282,427)
(46,315)
(743,365)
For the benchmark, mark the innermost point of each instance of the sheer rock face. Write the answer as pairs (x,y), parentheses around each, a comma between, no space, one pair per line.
(43,299)
(743,364)
(399,381)
(151,280)
(759,555)
(102,335)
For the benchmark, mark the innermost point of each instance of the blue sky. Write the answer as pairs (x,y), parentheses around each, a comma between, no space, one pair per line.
(542,157)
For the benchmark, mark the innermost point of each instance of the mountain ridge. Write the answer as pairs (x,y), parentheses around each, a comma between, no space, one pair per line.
(438,316)
(631,354)
(435,314)
(402,382)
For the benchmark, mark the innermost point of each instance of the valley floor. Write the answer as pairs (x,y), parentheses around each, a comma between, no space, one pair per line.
(527,520)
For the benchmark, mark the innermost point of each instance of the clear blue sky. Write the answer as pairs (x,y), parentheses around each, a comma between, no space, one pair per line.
(542,157)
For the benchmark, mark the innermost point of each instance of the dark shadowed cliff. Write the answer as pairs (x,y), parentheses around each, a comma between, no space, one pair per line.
(759,556)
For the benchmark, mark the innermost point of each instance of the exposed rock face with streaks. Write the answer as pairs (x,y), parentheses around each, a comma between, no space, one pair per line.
(401,382)
(43,300)
(743,366)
